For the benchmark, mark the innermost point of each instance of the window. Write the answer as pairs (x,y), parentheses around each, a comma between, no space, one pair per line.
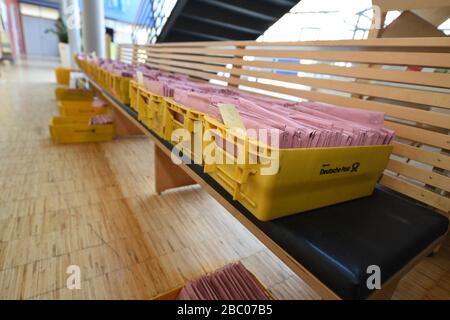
(323,20)
(445,27)
(39,12)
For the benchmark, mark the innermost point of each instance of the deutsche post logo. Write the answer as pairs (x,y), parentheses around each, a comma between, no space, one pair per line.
(329,169)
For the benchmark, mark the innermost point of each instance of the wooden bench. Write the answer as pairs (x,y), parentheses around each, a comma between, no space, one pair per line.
(401,82)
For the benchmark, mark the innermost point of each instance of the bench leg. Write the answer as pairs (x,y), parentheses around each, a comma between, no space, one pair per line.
(167,174)
(435,251)
(438,248)
(123,127)
(386,292)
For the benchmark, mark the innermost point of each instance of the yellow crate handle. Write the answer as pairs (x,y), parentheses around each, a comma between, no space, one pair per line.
(86,131)
(242,174)
(236,187)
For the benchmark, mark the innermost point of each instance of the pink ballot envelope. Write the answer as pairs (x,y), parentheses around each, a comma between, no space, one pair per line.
(233,282)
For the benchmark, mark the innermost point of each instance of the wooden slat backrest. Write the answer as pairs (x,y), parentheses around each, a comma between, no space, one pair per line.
(406,86)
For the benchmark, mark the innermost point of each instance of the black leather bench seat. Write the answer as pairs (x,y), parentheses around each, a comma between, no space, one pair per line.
(338,243)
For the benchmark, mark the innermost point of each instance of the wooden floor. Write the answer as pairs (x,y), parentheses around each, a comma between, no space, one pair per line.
(94,206)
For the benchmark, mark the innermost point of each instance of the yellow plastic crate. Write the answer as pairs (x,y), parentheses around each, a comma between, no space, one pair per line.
(91,70)
(120,88)
(82,64)
(134,88)
(307,178)
(102,78)
(181,117)
(63,75)
(65,93)
(69,108)
(66,130)
(151,111)
(94,72)
(109,81)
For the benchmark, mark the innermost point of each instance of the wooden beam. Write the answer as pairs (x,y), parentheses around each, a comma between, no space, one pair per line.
(435,16)
(417,192)
(360,72)
(167,174)
(408,24)
(123,127)
(435,159)
(401,5)
(407,42)
(425,59)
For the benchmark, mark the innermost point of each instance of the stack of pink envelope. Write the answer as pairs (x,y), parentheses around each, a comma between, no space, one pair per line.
(233,282)
(98,103)
(162,84)
(363,127)
(299,125)
(100,120)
